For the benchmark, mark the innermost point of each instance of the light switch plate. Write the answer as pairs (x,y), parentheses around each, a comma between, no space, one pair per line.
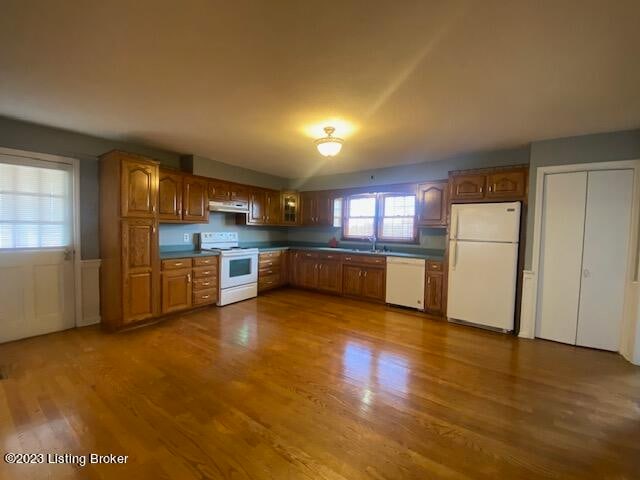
(187,237)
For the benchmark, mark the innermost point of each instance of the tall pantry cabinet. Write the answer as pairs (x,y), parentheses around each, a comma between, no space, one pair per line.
(130,270)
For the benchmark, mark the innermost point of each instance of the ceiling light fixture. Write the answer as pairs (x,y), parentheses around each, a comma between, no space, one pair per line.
(329,146)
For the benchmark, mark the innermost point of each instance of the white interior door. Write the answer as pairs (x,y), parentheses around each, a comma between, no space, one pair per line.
(37,293)
(563,220)
(604,264)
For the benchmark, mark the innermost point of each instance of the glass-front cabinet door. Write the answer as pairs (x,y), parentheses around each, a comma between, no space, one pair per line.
(290,208)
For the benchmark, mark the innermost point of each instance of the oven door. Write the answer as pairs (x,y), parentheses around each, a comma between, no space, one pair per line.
(238,269)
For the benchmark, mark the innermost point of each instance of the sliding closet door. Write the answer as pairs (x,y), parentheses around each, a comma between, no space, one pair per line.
(604,265)
(561,256)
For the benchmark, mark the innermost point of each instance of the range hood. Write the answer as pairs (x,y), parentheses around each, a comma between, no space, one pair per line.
(233,206)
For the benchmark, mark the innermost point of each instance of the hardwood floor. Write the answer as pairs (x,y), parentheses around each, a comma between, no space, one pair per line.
(299,385)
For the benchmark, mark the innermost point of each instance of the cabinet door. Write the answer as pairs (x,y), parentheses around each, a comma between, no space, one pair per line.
(309,273)
(324,209)
(330,276)
(468,187)
(294,268)
(432,203)
(373,286)
(139,189)
(140,269)
(351,280)
(195,200)
(508,184)
(176,290)
(170,197)
(257,207)
(308,208)
(290,208)
(272,209)
(434,293)
(238,192)
(219,190)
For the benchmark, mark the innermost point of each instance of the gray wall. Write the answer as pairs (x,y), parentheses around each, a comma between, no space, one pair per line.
(54,141)
(417,172)
(601,147)
(215,169)
(220,222)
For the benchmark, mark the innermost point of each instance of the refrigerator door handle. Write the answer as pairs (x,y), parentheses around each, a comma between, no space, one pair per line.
(454,233)
(454,254)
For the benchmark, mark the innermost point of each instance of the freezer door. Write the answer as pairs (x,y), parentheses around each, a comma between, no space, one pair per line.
(482,283)
(488,222)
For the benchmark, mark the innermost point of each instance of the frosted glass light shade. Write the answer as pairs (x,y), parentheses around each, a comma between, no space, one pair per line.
(329,149)
(329,146)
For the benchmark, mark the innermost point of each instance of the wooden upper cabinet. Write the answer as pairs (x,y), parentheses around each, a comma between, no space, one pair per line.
(139,188)
(257,207)
(468,187)
(432,203)
(272,207)
(222,191)
(316,208)
(170,196)
(140,269)
(506,184)
(195,200)
(290,208)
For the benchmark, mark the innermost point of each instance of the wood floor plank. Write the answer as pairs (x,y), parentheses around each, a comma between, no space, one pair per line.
(299,385)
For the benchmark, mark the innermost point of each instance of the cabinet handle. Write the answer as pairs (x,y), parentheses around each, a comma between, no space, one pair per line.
(428,280)
(359,273)
(481,189)
(207,272)
(490,188)
(204,296)
(153,208)
(177,264)
(188,278)
(204,284)
(365,273)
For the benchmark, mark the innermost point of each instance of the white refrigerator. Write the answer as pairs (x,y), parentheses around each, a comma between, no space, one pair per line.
(483,263)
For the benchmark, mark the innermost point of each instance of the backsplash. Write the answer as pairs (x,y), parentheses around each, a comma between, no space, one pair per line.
(170,234)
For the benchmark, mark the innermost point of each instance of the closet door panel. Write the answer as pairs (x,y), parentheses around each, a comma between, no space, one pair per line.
(561,256)
(604,265)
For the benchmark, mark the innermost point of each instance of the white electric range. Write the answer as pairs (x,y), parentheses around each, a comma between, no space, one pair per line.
(238,266)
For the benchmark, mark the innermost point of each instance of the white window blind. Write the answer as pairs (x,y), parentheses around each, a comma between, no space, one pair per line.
(360,218)
(35,206)
(398,219)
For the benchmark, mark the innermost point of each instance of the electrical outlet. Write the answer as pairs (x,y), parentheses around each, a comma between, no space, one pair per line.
(187,237)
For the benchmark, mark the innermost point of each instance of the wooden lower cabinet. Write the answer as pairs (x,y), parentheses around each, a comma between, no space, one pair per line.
(434,287)
(272,270)
(140,270)
(176,290)
(364,281)
(329,276)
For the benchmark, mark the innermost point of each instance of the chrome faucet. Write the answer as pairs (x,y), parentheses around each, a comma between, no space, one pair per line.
(373,239)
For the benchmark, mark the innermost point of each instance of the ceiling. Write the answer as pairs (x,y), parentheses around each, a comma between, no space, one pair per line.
(244,82)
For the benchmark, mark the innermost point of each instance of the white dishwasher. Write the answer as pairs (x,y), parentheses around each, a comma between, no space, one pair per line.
(405,282)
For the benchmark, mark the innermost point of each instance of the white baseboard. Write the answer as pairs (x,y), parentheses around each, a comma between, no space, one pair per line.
(527,320)
(90,273)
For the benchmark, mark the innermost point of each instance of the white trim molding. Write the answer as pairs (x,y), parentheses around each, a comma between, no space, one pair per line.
(527,319)
(630,335)
(90,293)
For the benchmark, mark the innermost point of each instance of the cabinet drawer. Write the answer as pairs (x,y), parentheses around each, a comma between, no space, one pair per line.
(365,259)
(205,283)
(270,255)
(269,281)
(204,261)
(269,262)
(176,263)
(330,256)
(306,254)
(434,266)
(200,272)
(269,270)
(204,297)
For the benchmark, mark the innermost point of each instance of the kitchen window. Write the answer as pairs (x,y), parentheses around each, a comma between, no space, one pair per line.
(398,219)
(360,217)
(391,216)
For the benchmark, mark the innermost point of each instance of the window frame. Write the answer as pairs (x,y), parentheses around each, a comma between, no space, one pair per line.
(414,236)
(346,206)
(378,217)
